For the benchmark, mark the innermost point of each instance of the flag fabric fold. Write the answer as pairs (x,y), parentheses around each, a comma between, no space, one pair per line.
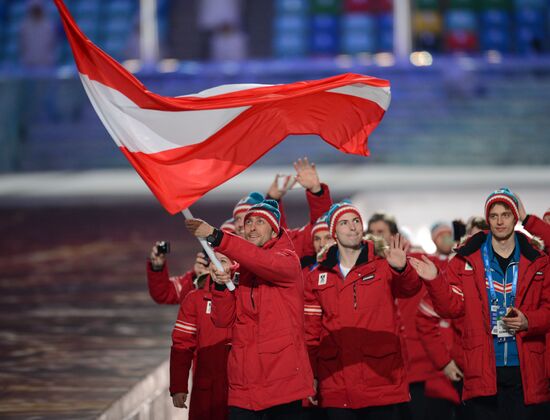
(185,146)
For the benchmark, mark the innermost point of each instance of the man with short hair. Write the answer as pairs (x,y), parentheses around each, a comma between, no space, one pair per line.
(352,330)
(268,368)
(382,225)
(498,284)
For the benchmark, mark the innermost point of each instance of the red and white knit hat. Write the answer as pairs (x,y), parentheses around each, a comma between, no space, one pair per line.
(502,195)
(269,210)
(246,202)
(228,226)
(547,213)
(337,211)
(321,225)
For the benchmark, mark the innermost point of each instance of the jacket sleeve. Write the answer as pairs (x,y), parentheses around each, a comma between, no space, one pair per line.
(313,314)
(539,319)
(302,240)
(318,204)
(405,283)
(224,307)
(538,227)
(429,333)
(168,290)
(283,221)
(184,344)
(277,265)
(446,291)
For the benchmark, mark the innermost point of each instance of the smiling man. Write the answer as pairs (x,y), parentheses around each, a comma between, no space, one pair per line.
(498,284)
(268,368)
(352,330)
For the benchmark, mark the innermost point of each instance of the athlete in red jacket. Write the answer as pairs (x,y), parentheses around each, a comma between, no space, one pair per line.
(351,321)
(196,339)
(268,368)
(500,284)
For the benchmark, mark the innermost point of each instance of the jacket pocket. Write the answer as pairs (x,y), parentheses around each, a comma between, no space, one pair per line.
(475,357)
(328,364)
(278,358)
(382,363)
(235,366)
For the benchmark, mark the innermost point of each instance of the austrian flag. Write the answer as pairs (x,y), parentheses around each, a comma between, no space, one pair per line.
(185,146)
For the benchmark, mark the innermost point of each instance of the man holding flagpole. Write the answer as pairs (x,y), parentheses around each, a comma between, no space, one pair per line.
(268,368)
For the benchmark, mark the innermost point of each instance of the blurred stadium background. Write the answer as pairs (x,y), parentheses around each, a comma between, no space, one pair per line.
(81,338)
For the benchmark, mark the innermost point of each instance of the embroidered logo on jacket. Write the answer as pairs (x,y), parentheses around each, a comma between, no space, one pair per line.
(322,279)
(208,306)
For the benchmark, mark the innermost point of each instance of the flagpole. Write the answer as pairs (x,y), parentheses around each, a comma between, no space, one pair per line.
(209,251)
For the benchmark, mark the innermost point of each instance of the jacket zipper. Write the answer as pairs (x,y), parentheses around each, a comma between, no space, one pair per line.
(252,294)
(355,295)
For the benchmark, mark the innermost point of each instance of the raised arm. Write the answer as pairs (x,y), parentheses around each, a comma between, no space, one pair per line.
(445,289)
(276,265)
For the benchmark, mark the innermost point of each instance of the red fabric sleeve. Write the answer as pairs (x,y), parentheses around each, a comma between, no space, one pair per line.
(313,314)
(429,333)
(277,265)
(318,204)
(446,291)
(184,344)
(539,319)
(538,227)
(168,290)
(224,307)
(406,283)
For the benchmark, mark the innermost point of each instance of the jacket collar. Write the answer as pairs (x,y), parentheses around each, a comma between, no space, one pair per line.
(331,258)
(475,243)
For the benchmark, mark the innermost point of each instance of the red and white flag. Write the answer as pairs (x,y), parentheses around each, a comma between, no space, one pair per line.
(185,146)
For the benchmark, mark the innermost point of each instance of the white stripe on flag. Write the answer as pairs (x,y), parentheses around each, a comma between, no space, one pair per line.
(151,131)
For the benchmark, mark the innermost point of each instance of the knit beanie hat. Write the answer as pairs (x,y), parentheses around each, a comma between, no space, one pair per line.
(321,224)
(440,228)
(269,210)
(502,195)
(228,226)
(246,202)
(337,210)
(547,213)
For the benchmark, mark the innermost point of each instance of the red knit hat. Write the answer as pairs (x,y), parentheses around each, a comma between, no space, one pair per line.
(269,210)
(505,196)
(337,211)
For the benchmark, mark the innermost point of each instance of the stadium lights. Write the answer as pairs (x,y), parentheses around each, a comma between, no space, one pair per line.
(133,66)
(344,61)
(494,57)
(168,65)
(421,59)
(384,59)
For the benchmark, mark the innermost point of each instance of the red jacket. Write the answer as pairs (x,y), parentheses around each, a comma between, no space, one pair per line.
(352,330)
(301,237)
(168,290)
(436,335)
(538,227)
(419,367)
(268,363)
(196,339)
(461,292)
